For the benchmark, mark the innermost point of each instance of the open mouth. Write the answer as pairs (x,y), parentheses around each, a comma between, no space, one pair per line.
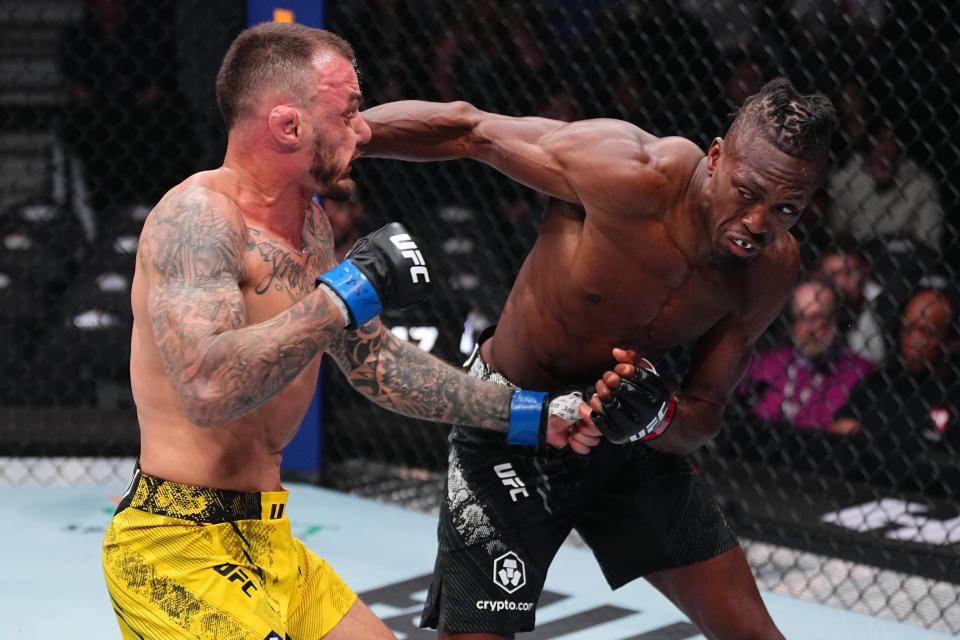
(742,247)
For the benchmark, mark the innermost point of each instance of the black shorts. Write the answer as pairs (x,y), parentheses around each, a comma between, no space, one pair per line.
(509,508)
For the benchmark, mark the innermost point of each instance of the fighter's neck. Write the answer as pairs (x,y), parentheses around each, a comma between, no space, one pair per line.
(268,202)
(687,223)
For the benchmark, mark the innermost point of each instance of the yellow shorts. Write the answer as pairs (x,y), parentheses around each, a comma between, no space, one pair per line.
(189,562)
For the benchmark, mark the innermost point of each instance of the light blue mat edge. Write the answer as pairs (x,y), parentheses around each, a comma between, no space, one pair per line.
(53,538)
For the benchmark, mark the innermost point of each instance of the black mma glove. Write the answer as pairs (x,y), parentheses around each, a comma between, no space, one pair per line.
(383,269)
(641,409)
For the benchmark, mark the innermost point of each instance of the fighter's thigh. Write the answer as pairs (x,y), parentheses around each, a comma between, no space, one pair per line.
(655,513)
(324,606)
(720,596)
(359,622)
(504,519)
(176,581)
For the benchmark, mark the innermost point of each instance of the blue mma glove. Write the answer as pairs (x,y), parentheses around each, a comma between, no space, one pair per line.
(530,410)
(383,270)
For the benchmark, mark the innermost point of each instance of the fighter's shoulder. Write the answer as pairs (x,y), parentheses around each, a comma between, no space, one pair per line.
(196,201)
(765,285)
(784,253)
(674,151)
(191,215)
(774,273)
(780,259)
(675,158)
(618,137)
(626,155)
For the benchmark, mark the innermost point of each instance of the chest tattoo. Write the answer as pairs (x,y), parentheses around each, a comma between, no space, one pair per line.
(286,271)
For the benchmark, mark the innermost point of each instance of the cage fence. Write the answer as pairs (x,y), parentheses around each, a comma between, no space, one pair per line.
(838,461)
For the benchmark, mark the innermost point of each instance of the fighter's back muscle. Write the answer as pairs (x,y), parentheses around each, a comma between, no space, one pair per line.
(616,167)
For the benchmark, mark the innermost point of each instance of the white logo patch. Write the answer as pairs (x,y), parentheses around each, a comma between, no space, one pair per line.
(510,479)
(509,572)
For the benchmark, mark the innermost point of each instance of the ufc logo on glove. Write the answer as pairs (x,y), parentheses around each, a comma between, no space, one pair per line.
(408,249)
(369,280)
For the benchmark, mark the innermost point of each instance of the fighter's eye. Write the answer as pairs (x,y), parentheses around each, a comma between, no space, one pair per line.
(746,194)
(787,210)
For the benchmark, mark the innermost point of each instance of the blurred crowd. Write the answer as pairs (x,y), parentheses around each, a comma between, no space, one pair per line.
(863,359)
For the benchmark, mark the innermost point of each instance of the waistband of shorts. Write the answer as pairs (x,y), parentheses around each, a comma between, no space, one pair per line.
(477,367)
(200,504)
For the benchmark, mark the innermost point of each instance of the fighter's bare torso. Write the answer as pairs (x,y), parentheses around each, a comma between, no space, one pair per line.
(273,276)
(672,245)
(634,280)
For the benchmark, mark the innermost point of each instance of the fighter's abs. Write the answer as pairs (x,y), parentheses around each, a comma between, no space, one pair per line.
(567,335)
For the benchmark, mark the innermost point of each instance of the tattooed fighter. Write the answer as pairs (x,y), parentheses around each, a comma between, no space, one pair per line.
(662,244)
(236,295)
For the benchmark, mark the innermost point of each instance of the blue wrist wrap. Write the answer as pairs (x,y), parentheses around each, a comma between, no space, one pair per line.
(525,410)
(357,292)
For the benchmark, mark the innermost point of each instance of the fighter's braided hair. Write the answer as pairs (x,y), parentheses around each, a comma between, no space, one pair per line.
(799,125)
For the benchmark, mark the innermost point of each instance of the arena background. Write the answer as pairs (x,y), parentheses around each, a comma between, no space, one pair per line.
(96,127)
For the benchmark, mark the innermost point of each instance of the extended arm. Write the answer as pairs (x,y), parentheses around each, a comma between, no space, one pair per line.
(192,254)
(576,161)
(401,377)
(425,131)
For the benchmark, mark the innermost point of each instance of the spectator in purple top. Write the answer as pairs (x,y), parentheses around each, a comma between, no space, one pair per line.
(805,382)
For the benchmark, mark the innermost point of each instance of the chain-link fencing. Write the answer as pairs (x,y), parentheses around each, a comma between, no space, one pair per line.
(838,462)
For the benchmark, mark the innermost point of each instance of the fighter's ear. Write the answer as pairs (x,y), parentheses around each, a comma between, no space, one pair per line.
(284,124)
(713,155)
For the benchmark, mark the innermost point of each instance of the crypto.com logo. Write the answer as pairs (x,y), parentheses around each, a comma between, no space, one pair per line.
(508,572)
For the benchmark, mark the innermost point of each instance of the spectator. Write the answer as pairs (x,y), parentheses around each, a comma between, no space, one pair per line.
(804,383)
(883,191)
(125,118)
(906,415)
(846,269)
(853,103)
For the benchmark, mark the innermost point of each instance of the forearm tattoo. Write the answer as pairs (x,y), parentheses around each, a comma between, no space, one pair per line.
(221,370)
(400,376)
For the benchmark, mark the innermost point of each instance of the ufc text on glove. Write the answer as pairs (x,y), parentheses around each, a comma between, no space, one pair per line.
(383,270)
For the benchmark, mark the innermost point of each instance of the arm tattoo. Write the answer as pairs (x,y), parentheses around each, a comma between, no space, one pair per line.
(193,247)
(401,377)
